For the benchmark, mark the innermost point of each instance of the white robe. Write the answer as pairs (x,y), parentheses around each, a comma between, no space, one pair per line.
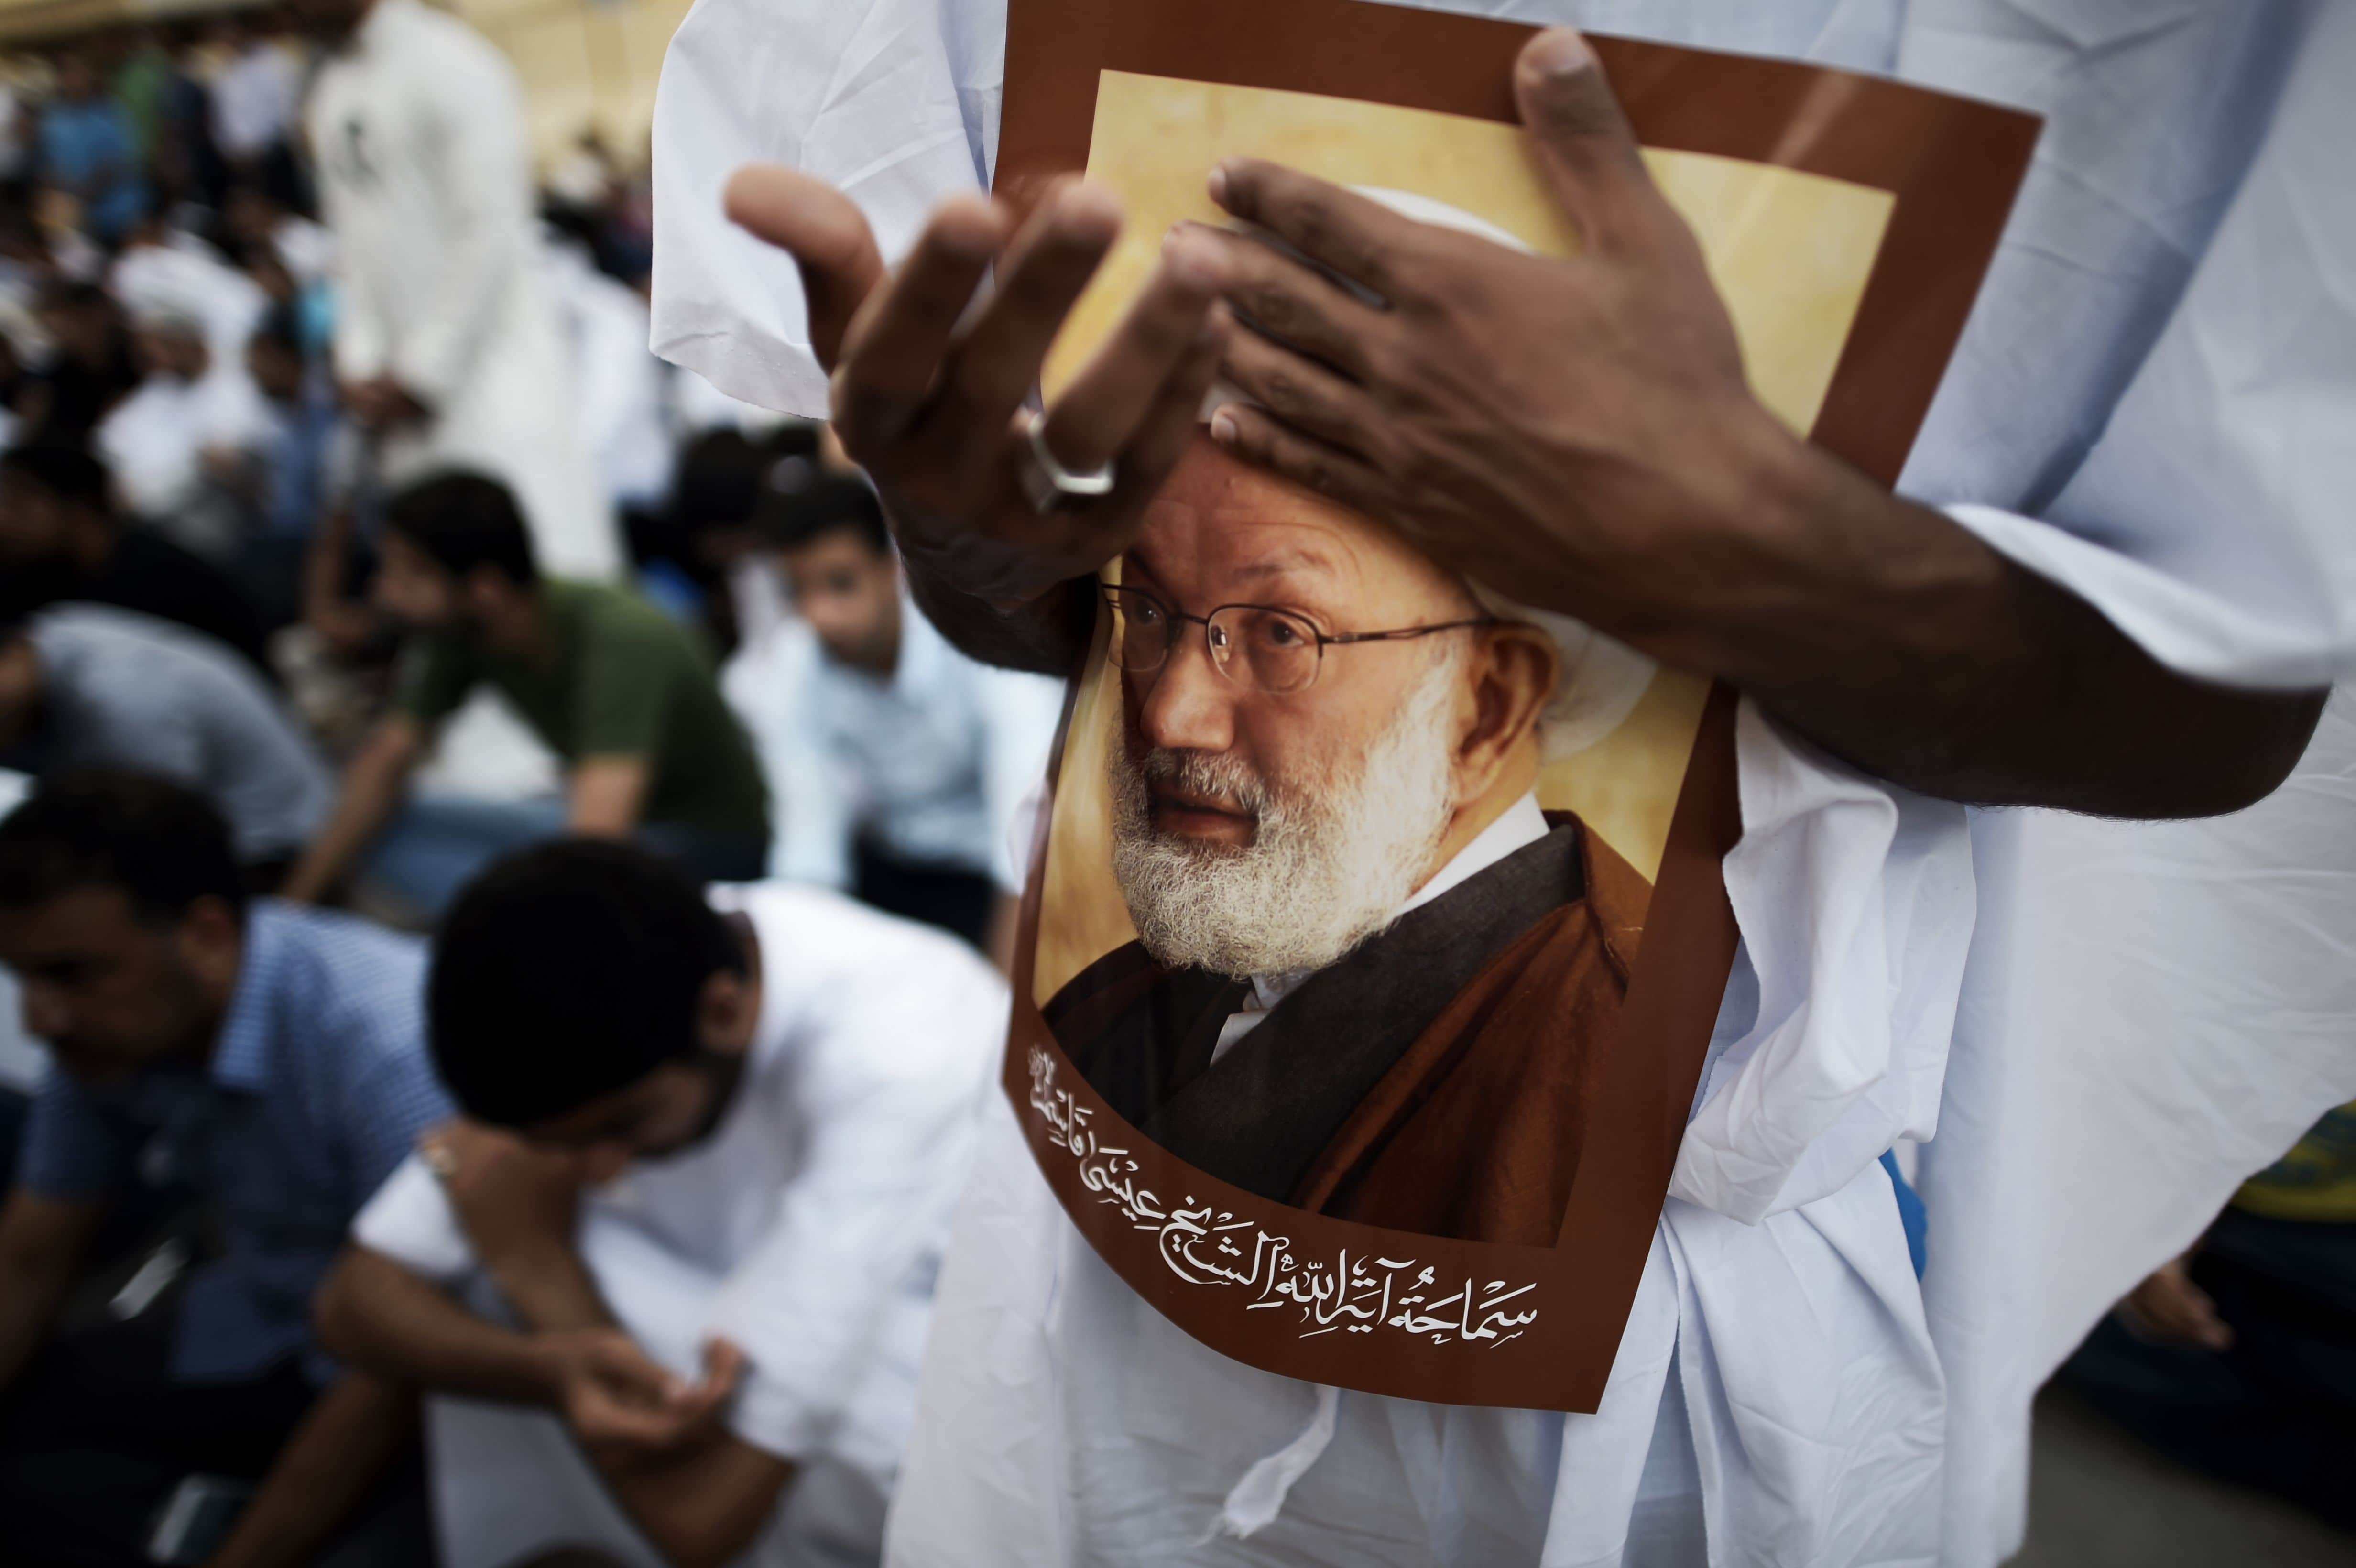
(417,130)
(806,1228)
(618,383)
(155,441)
(2148,1013)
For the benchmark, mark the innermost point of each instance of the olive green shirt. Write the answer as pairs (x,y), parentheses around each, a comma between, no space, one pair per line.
(612,677)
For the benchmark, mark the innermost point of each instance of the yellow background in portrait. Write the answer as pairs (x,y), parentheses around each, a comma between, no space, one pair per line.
(1790,252)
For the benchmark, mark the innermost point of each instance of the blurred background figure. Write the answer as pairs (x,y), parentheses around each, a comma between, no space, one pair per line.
(607,682)
(89,364)
(906,758)
(256,92)
(446,341)
(725,477)
(91,151)
(87,686)
(186,447)
(236,1077)
(2238,1358)
(61,537)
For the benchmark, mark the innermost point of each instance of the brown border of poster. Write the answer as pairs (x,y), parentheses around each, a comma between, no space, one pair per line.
(1953,165)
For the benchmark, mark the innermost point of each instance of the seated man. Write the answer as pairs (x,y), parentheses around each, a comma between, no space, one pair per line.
(185,446)
(612,687)
(905,758)
(270,1059)
(743,1123)
(87,685)
(1325,826)
(59,538)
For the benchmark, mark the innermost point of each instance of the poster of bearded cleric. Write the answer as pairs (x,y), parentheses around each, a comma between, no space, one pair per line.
(1375,929)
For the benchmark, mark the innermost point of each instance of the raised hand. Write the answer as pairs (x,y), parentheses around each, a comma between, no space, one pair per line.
(930,388)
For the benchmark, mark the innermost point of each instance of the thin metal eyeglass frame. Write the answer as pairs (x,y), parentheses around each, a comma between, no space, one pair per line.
(1113,592)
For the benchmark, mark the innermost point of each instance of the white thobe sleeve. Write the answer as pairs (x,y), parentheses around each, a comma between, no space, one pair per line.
(892,1123)
(474,136)
(410,1221)
(895,101)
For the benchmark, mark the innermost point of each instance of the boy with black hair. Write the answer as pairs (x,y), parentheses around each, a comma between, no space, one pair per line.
(271,1059)
(614,687)
(61,539)
(733,1123)
(904,760)
(724,477)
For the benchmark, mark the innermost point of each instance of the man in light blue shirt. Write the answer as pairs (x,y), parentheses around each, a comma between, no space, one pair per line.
(905,760)
(271,1061)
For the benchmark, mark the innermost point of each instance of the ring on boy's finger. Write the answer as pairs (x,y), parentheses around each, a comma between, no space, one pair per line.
(439,1160)
(1047,483)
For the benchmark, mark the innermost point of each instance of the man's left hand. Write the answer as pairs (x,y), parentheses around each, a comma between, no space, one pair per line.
(1579,435)
(513,1200)
(1578,432)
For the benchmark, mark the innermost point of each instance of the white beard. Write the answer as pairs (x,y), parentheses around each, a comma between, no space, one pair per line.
(1331,861)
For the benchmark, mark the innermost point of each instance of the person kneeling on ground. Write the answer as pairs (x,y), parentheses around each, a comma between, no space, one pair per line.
(725,1127)
(270,1060)
(614,690)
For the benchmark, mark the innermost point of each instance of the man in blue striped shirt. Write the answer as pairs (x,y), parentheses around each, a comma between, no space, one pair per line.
(269,1059)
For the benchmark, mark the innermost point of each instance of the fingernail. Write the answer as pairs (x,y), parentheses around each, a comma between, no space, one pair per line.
(1217,184)
(1188,257)
(1557,51)
(1223,428)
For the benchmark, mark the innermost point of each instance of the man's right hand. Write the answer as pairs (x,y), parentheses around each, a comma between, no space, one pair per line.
(618,1401)
(929,396)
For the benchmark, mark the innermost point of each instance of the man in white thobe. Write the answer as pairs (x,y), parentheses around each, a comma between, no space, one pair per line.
(749,1114)
(2136,414)
(446,339)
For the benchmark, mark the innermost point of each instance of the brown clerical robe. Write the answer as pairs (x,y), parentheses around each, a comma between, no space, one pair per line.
(1438,1079)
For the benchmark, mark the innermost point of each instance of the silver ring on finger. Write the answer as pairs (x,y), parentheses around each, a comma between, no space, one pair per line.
(1047,483)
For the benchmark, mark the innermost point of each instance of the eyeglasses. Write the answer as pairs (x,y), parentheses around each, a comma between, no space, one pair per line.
(1272,650)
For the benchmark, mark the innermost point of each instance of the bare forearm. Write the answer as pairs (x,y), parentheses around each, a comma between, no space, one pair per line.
(377,1316)
(703,1507)
(371,789)
(606,796)
(551,1290)
(1894,637)
(347,1442)
(324,601)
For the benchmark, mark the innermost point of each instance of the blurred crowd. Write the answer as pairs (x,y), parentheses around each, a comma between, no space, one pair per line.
(352,540)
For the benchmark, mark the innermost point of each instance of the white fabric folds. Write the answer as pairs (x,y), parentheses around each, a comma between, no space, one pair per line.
(2152,405)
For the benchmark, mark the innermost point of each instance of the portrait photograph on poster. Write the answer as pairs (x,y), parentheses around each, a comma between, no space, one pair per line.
(1376,928)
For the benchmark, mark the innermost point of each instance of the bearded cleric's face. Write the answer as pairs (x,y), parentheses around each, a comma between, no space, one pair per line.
(1259,831)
